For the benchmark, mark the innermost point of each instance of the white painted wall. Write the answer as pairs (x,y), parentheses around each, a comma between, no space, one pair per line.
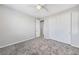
(15,27)
(59,27)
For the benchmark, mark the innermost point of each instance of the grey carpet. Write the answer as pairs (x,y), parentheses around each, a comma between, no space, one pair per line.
(40,46)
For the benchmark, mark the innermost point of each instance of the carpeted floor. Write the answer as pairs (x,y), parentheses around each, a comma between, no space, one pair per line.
(40,46)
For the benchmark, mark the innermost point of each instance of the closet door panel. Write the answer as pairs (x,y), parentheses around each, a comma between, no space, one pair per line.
(52,26)
(75,29)
(62,30)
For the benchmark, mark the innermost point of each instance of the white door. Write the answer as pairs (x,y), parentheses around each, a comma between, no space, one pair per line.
(37,28)
(41,28)
(59,27)
(63,27)
(75,29)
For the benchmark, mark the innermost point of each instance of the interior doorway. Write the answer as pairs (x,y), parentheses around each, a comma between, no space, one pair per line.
(41,28)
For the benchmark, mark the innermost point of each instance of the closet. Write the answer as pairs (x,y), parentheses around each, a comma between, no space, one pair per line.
(63,27)
(75,28)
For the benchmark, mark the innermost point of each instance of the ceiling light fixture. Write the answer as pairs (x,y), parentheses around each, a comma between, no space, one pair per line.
(38,7)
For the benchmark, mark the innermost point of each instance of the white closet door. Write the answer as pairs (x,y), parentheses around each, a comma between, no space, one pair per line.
(62,30)
(52,26)
(75,29)
(59,27)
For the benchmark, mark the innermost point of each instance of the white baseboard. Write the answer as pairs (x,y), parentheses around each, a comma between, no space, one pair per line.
(58,40)
(16,42)
(77,46)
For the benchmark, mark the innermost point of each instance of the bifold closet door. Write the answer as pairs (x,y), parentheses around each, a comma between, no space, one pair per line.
(52,27)
(63,27)
(75,29)
(60,27)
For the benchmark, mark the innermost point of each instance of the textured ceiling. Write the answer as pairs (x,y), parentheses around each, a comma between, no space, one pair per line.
(31,9)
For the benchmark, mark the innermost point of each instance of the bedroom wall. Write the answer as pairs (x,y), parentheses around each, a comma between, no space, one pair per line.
(15,26)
